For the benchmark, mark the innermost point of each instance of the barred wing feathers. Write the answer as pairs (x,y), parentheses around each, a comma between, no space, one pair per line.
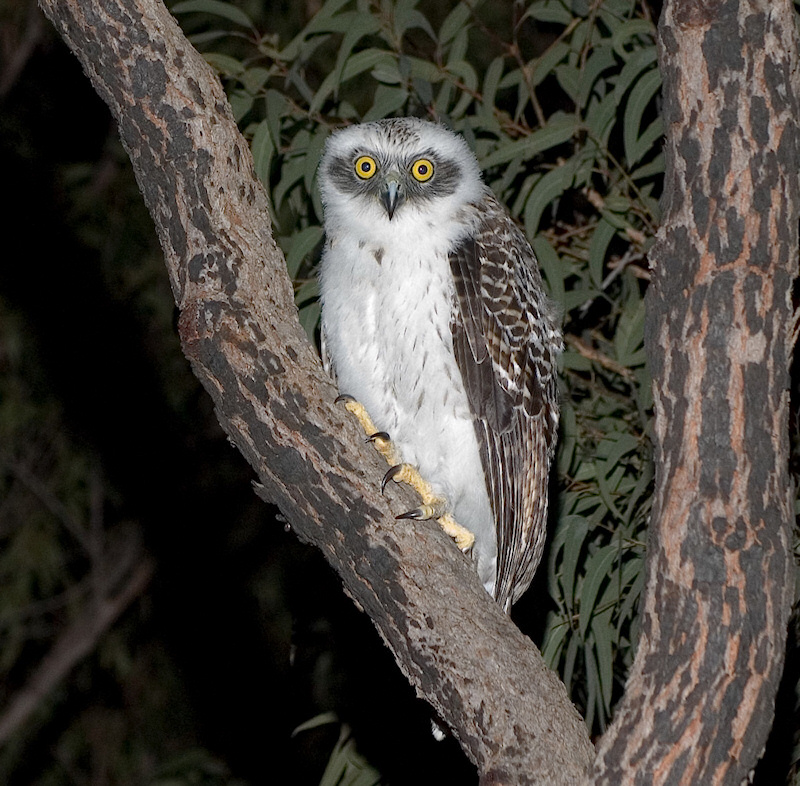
(506,344)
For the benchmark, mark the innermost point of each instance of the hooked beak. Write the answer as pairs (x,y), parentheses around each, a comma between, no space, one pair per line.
(391,196)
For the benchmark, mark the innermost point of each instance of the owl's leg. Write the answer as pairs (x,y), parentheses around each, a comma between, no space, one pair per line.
(433,507)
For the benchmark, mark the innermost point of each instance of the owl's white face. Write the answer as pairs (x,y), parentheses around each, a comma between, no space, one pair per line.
(397,171)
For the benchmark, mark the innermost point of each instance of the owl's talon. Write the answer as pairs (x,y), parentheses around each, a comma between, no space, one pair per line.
(381,436)
(432,507)
(391,474)
(423,513)
(435,508)
(343,398)
(404,473)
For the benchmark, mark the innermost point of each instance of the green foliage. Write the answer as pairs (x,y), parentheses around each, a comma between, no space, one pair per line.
(346,766)
(559,102)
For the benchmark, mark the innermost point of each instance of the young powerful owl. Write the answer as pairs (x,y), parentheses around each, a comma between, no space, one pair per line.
(434,319)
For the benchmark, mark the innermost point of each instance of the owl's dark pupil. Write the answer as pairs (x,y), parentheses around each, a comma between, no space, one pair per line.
(365,166)
(423,170)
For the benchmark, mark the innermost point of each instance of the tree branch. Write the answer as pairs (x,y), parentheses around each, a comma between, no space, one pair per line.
(239,328)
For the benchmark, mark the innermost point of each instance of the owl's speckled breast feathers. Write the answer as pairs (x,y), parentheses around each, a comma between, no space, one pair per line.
(435,320)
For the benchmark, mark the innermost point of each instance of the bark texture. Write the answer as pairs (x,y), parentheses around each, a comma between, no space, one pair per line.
(699,702)
(239,328)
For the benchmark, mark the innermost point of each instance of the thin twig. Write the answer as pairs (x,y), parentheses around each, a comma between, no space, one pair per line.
(51,502)
(597,357)
(75,643)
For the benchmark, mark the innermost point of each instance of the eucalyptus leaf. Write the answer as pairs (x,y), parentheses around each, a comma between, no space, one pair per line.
(593,690)
(408,18)
(629,336)
(214,7)
(601,115)
(540,68)
(647,142)
(597,570)
(552,268)
(241,103)
(575,529)
(601,60)
(641,95)
(224,64)
(262,148)
(553,11)
(598,249)
(454,23)
(551,186)
(491,81)
(313,156)
(253,79)
(276,105)
(356,65)
(300,246)
(559,130)
(570,656)
(631,29)
(553,644)
(640,62)
(604,638)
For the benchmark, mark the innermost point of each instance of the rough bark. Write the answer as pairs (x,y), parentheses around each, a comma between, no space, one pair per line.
(699,702)
(239,328)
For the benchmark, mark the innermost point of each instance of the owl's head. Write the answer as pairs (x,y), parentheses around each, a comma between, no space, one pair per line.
(393,168)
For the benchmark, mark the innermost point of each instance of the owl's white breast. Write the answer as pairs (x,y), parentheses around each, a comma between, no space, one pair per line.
(388,302)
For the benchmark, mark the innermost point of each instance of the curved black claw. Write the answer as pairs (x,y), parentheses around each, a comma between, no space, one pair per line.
(345,398)
(417,513)
(382,435)
(390,474)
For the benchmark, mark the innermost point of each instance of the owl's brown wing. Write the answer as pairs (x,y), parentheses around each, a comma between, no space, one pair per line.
(506,344)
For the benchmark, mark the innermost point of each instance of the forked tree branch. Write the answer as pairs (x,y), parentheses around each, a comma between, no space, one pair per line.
(698,703)
(239,328)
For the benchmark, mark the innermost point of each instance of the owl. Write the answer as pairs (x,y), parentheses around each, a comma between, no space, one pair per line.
(434,320)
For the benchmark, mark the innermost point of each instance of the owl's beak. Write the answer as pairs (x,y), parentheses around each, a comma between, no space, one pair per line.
(391,195)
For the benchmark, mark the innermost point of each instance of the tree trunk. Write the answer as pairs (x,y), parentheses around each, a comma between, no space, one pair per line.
(239,328)
(699,703)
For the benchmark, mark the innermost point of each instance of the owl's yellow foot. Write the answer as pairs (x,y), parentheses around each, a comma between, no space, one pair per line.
(380,439)
(463,537)
(432,507)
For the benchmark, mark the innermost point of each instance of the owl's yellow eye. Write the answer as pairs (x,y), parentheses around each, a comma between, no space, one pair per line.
(366,167)
(422,169)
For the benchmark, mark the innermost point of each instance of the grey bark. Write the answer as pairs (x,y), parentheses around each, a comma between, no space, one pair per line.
(699,702)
